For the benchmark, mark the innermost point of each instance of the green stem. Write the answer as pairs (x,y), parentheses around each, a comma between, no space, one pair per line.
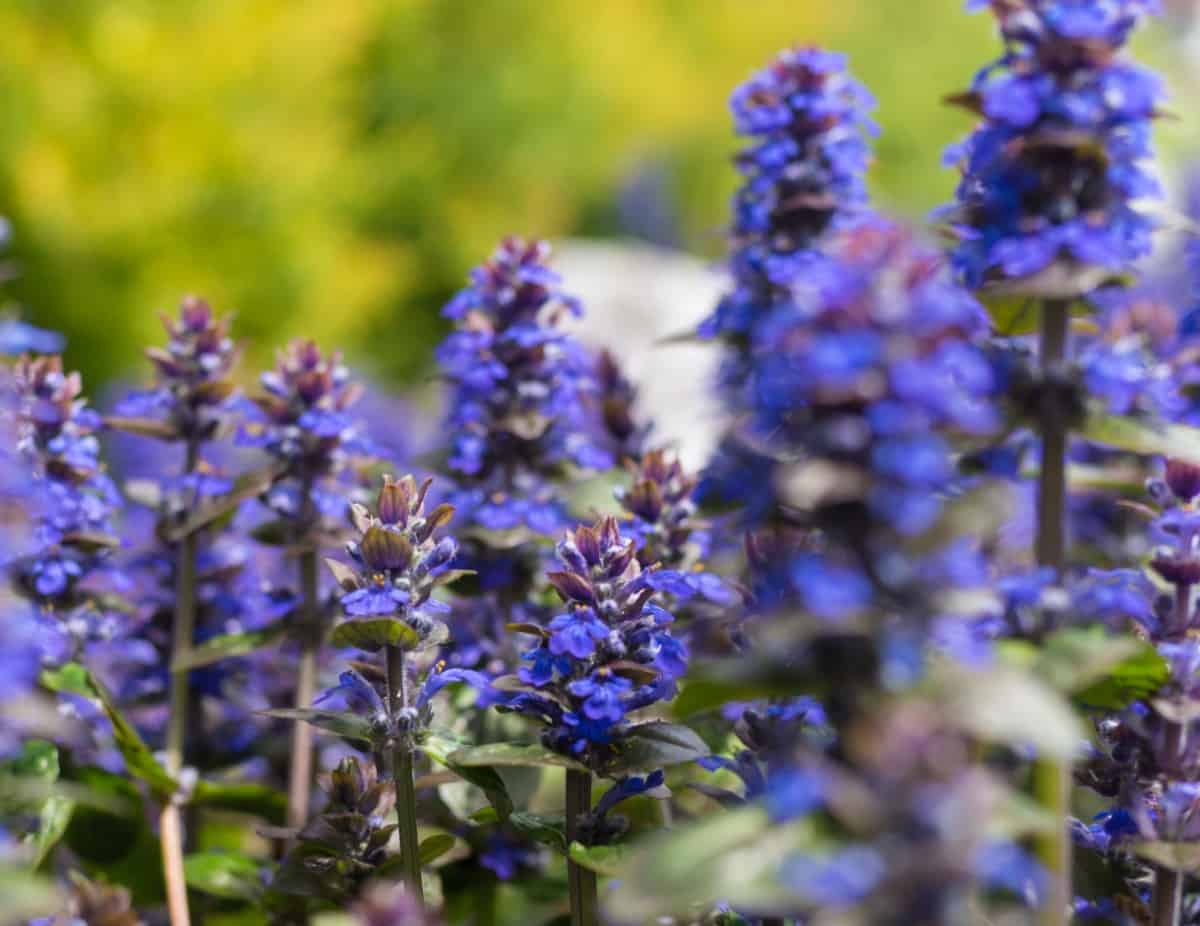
(1052,779)
(300,773)
(183,631)
(1052,479)
(485,901)
(1167,908)
(402,766)
(582,882)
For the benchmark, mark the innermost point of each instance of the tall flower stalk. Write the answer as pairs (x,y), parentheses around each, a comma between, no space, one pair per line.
(1046,207)
(189,405)
(398,559)
(610,654)
(301,419)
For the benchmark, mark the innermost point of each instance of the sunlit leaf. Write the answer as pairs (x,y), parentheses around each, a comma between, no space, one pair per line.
(514,754)
(224,874)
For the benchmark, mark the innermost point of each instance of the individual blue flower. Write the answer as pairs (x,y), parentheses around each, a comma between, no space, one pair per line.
(576,633)
(601,693)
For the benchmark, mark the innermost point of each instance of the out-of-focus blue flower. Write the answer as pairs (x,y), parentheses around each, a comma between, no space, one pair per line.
(839,880)
(1006,865)
(803,174)
(1053,172)
(520,392)
(18,337)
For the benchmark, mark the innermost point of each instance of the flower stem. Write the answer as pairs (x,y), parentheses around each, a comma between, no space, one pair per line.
(1052,779)
(582,882)
(1167,902)
(183,632)
(1168,897)
(300,774)
(1052,479)
(402,769)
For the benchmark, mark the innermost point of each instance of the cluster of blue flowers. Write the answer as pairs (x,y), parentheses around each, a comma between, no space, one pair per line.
(611,653)
(866,374)
(193,395)
(398,559)
(1147,759)
(302,419)
(73,499)
(848,626)
(804,173)
(521,393)
(1052,175)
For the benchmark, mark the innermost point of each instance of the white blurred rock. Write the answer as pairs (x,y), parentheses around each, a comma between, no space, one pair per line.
(635,296)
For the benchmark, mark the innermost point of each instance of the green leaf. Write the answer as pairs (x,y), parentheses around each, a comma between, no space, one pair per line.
(440,748)
(38,761)
(142,427)
(1176,441)
(1012,314)
(549,830)
(1078,658)
(25,895)
(277,533)
(1177,856)
(247,486)
(227,646)
(733,856)
(344,723)
(434,846)
(139,760)
(374,633)
(242,797)
(519,755)
(651,746)
(1102,671)
(1005,705)
(603,860)
(224,874)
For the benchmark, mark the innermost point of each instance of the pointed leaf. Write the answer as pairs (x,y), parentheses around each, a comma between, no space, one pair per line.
(549,830)
(248,486)
(1177,441)
(517,755)
(652,746)
(434,846)
(374,633)
(139,760)
(230,645)
(345,724)
(1003,705)
(344,575)
(38,760)
(224,874)
(603,860)
(142,427)
(440,747)
(1177,856)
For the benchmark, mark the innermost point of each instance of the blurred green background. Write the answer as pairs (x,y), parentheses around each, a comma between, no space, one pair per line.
(333,167)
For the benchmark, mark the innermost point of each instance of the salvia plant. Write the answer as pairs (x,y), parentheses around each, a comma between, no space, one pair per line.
(916,645)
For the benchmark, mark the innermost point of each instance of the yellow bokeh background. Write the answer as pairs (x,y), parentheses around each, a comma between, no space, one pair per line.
(332,168)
